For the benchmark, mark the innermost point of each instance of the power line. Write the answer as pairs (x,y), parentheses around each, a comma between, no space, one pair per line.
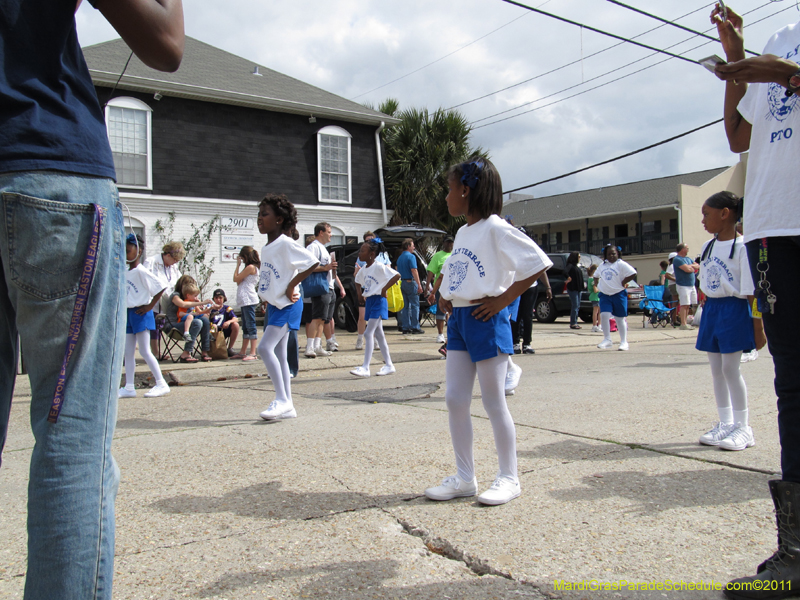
(667,22)
(610,160)
(600,31)
(603,75)
(445,56)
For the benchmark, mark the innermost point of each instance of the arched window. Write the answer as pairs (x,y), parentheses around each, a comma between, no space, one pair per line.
(128,121)
(333,165)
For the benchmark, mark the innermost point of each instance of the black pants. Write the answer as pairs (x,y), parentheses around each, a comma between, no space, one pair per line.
(783,333)
(524,324)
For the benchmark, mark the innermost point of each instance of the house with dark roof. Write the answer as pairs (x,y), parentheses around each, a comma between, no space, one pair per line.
(646,219)
(212,138)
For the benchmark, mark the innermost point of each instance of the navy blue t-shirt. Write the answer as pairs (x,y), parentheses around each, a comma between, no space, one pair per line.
(49,114)
(681,276)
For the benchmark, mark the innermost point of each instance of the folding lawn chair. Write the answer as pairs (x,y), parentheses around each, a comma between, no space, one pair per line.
(427,313)
(172,341)
(653,307)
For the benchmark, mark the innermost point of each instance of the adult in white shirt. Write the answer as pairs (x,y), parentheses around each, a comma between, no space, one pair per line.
(165,267)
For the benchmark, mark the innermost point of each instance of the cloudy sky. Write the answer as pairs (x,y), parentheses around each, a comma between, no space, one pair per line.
(368,50)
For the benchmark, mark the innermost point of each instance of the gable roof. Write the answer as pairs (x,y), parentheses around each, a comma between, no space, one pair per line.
(663,192)
(213,75)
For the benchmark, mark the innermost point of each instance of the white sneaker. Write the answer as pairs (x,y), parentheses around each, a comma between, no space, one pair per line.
(387,370)
(279,409)
(159,389)
(453,487)
(686,327)
(623,346)
(320,352)
(596,329)
(512,378)
(187,337)
(739,439)
(331,346)
(360,372)
(717,433)
(127,392)
(749,356)
(440,338)
(360,344)
(310,353)
(605,345)
(503,490)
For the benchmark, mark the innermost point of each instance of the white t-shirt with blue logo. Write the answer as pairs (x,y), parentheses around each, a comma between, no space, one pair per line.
(488,257)
(610,276)
(281,260)
(373,278)
(721,276)
(142,285)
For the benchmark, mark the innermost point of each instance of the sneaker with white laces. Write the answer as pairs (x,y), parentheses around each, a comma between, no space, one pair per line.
(310,353)
(504,489)
(596,329)
(187,336)
(716,434)
(605,345)
(387,370)
(749,356)
(127,392)
(279,409)
(360,344)
(440,338)
(331,346)
(320,352)
(159,389)
(623,346)
(739,439)
(453,487)
(512,378)
(360,372)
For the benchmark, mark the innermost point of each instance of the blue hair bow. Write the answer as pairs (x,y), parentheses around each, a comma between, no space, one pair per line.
(131,239)
(377,240)
(471,173)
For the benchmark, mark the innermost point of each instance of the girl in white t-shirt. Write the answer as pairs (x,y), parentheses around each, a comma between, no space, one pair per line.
(727,327)
(144,291)
(492,264)
(374,279)
(247,299)
(284,264)
(610,279)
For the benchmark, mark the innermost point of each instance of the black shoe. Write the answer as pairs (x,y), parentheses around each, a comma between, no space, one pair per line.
(417,331)
(405,331)
(528,350)
(517,348)
(779,575)
(443,350)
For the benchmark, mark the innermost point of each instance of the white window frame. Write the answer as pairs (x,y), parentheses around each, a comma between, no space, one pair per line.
(134,104)
(332,130)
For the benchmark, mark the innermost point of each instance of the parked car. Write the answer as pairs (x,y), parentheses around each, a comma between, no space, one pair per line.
(548,311)
(346,313)
(635,295)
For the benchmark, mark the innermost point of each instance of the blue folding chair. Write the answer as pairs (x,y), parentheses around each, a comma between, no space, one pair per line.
(653,307)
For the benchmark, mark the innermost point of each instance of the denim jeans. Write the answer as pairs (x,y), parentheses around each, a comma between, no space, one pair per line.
(46,227)
(249,327)
(409,316)
(783,333)
(200,326)
(575,305)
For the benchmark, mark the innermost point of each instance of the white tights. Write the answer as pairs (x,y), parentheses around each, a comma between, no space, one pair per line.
(622,327)
(730,390)
(374,333)
(460,381)
(272,349)
(143,339)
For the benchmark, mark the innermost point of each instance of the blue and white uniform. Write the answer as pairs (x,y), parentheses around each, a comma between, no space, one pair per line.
(488,257)
(726,326)
(613,297)
(372,280)
(281,260)
(141,286)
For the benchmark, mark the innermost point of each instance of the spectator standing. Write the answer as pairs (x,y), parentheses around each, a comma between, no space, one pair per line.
(434,270)
(594,298)
(685,279)
(246,279)
(57,180)
(756,119)
(575,287)
(165,266)
(410,286)
(321,306)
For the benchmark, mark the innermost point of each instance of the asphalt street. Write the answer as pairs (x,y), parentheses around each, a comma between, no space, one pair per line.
(616,492)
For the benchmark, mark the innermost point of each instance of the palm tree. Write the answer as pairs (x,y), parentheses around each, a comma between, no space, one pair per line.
(419,151)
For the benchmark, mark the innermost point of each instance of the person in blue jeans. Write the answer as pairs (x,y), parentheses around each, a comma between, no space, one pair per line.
(410,287)
(575,287)
(62,278)
(760,109)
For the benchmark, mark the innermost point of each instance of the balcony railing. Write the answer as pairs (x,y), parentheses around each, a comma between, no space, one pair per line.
(650,243)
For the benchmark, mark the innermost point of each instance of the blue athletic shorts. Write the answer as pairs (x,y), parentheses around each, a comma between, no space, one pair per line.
(281,316)
(513,309)
(137,322)
(726,326)
(616,304)
(376,307)
(482,339)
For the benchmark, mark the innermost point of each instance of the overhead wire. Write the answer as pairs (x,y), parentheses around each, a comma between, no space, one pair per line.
(600,76)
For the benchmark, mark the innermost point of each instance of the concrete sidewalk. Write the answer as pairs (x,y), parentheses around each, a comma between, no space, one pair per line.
(215,503)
